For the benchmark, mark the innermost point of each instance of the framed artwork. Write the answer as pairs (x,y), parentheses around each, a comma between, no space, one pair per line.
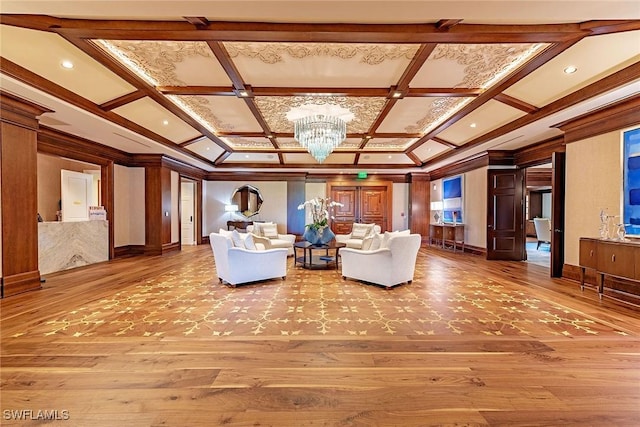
(452,199)
(631,182)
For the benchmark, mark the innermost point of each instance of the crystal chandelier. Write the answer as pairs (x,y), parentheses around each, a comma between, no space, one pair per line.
(320,128)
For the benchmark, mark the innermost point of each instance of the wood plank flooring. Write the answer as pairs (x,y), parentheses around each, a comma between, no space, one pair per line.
(158,341)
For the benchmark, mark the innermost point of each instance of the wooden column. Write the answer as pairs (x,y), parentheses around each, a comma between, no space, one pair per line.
(158,209)
(420,205)
(19,194)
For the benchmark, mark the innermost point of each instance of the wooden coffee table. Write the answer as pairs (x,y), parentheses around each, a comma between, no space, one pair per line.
(317,256)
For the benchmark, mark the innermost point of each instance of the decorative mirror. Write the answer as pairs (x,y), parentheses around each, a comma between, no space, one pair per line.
(248,199)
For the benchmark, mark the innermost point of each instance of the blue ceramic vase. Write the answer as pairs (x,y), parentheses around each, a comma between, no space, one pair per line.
(318,237)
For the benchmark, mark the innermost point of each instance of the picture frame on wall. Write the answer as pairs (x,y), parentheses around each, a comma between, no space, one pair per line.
(631,182)
(453,199)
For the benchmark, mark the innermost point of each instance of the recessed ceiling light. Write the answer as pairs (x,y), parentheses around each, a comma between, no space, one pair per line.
(246,156)
(472,125)
(67,64)
(208,148)
(397,94)
(244,93)
(165,122)
(389,156)
(570,69)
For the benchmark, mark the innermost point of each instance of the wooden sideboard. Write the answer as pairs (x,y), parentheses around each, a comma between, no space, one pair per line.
(443,234)
(237,224)
(609,257)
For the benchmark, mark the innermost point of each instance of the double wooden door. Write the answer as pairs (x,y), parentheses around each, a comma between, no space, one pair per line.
(364,204)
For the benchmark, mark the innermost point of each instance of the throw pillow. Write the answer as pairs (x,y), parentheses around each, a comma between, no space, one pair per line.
(237,239)
(366,243)
(258,228)
(225,233)
(261,242)
(376,242)
(249,243)
(270,231)
(360,231)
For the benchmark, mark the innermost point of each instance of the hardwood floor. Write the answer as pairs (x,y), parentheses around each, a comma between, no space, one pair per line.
(157,341)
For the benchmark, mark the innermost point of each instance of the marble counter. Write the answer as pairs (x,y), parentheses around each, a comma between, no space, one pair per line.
(65,245)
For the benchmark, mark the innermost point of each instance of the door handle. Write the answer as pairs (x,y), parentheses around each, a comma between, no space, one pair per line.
(557,230)
(191,219)
(489,226)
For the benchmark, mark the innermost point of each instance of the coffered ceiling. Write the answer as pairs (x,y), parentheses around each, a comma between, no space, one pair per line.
(213,90)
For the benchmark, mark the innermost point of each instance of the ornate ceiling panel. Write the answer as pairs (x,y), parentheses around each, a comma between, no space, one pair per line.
(471,65)
(169,63)
(321,64)
(223,113)
(417,115)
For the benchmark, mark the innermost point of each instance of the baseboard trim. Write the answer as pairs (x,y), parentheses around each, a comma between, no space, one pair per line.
(21,282)
(128,250)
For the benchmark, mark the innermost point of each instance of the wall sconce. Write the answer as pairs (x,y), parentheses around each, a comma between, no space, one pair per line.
(437,207)
(230,208)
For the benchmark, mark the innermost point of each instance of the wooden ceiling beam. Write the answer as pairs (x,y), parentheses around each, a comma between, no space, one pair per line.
(122,100)
(516,103)
(447,24)
(445,143)
(314,32)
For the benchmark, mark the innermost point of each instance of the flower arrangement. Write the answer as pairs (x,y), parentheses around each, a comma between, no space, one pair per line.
(320,207)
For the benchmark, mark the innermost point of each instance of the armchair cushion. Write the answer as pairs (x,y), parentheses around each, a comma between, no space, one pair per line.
(388,266)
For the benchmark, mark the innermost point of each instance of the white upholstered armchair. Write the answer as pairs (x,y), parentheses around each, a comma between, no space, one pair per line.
(359,234)
(268,235)
(239,265)
(388,266)
(543,231)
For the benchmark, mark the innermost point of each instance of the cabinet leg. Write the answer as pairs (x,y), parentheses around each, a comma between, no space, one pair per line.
(582,269)
(600,283)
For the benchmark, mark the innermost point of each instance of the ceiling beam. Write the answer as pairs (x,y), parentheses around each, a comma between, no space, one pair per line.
(122,100)
(315,32)
(516,103)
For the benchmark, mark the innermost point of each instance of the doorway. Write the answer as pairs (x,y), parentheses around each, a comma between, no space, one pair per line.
(538,208)
(187,212)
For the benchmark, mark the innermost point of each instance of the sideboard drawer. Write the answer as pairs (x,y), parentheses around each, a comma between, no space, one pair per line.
(588,253)
(616,260)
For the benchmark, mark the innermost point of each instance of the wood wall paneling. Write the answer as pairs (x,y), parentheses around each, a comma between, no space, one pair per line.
(295,197)
(18,169)
(420,206)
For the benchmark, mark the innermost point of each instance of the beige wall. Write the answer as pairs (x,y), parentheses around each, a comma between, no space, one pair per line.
(129,206)
(49,182)
(594,182)
(475,207)
(216,194)
(400,206)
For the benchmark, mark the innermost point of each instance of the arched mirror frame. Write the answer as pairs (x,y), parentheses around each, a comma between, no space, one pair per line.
(249,200)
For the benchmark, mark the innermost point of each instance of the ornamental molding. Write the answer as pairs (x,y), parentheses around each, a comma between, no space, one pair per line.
(157,59)
(272,53)
(483,62)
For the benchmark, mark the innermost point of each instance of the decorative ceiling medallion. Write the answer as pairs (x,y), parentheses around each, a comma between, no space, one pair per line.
(274,109)
(485,62)
(349,145)
(272,53)
(154,58)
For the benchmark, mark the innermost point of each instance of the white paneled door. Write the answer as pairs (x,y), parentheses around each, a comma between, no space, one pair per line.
(187,213)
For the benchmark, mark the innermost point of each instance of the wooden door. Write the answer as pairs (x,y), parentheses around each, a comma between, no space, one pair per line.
(505,227)
(364,204)
(373,202)
(346,215)
(187,213)
(557,214)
